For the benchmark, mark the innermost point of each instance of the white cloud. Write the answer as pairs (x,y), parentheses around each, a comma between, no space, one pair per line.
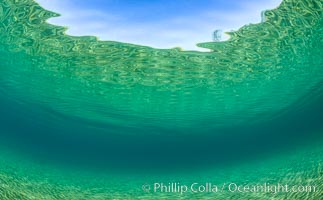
(178,32)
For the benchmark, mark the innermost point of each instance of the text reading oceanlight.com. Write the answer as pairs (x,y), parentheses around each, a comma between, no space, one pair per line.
(226,187)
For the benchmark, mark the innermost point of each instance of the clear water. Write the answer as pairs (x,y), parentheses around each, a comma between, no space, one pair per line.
(89,119)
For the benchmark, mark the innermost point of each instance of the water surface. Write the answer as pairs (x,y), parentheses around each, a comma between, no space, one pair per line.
(89,119)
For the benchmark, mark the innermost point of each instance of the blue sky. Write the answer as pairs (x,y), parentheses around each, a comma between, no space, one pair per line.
(156,23)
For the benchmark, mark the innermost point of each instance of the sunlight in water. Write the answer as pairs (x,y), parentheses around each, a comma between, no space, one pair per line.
(162,24)
(83,118)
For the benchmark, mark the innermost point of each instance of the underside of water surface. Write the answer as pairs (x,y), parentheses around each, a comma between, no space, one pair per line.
(89,119)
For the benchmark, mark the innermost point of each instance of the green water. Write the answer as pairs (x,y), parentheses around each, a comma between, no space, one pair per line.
(89,119)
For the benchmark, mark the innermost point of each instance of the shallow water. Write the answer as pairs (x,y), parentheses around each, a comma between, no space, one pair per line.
(89,119)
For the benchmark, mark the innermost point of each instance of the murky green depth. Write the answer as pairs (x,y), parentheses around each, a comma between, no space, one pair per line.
(68,97)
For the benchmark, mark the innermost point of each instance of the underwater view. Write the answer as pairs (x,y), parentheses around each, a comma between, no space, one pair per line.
(237,118)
